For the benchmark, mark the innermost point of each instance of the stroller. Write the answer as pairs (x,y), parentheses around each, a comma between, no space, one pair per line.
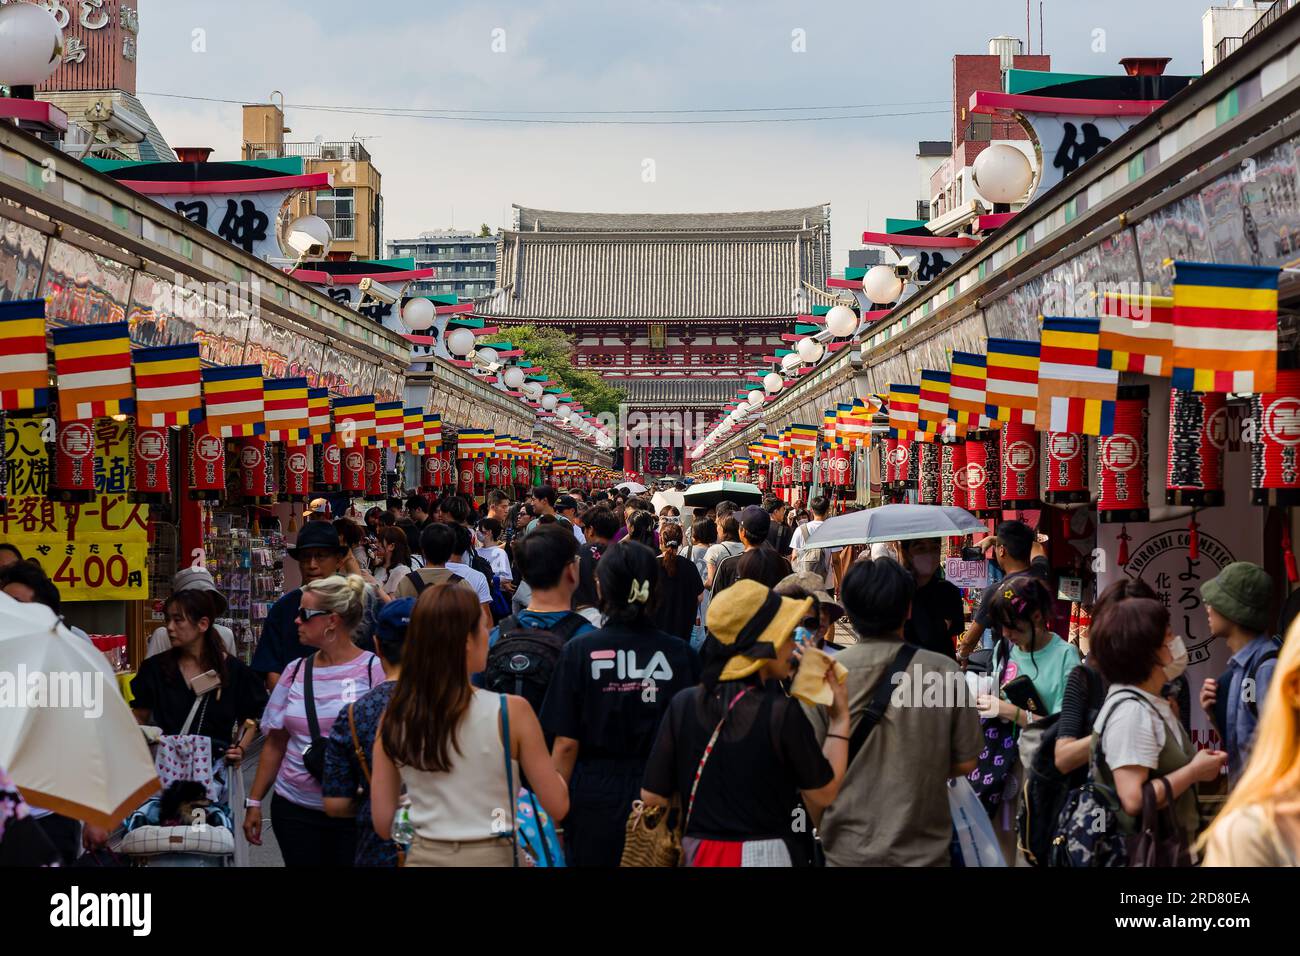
(197,819)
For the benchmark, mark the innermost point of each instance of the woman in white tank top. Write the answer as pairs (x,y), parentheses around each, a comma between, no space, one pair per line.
(441,738)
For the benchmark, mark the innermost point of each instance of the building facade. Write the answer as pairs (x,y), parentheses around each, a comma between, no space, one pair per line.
(354,207)
(674,308)
(466,262)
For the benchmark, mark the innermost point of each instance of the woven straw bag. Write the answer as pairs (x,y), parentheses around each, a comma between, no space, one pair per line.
(651,839)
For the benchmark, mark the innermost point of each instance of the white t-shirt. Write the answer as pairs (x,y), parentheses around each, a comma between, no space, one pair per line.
(1133,737)
(390,578)
(159,641)
(801,536)
(495,555)
(717,553)
(474,579)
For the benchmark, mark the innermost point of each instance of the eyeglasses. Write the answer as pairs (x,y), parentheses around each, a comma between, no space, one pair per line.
(305,614)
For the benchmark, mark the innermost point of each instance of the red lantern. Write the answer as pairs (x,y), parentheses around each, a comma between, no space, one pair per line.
(983,494)
(207,457)
(1067,461)
(354,469)
(494,472)
(252,467)
(327,465)
(1198,433)
(480,472)
(952,474)
(841,467)
(806,470)
(1122,460)
(1275,453)
(152,467)
(787,472)
(297,471)
(762,478)
(74,470)
(466,472)
(928,471)
(374,457)
(430,472)
(1019,466)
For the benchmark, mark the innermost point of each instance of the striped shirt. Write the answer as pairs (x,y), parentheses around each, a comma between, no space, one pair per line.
(333,688)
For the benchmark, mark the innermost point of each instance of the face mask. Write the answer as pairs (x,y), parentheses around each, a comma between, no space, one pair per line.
(1174,669)
(925,564)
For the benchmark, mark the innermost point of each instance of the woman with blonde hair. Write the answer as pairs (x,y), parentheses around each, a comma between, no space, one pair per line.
(1260,823)
(312,693)
(457,749)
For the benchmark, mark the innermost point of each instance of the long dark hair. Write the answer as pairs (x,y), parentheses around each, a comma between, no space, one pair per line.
(196,605)
(424,715)
(622,567)
(670,539)
(401,547)
(640,528)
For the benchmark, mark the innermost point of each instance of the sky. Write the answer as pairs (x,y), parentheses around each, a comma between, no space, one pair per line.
(891,62)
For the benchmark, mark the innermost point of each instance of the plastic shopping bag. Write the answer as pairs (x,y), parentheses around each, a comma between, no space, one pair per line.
(975,837)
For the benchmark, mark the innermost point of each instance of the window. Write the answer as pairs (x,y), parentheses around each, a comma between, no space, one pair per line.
(338,208)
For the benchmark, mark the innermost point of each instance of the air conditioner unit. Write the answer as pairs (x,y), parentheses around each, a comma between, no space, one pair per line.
(262,154)
(329,153)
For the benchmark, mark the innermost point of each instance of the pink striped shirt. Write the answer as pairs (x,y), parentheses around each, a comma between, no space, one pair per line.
(333,689)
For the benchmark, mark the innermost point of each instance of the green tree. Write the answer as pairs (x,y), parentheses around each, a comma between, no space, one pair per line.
(484,232)
(550,351)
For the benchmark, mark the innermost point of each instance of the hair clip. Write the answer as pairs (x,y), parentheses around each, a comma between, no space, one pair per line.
(1008,594)
(640,592)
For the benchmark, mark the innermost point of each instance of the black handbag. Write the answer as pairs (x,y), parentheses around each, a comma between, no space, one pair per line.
(1160,840)
(313,758)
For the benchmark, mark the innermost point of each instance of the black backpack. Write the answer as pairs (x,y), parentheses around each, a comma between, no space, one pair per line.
(524,658)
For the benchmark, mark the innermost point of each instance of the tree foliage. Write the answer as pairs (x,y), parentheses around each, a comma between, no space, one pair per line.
(551,351)
(483,231)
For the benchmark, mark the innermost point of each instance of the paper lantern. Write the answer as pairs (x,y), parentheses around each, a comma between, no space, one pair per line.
(297,471)
(207,465)
(151,469)
(354,470)
(787,472)
(327,466)
(928,473)
(806,470)
(1197,435)
(841,468)
(983,490)
(899,461)
(1067,463)
(465,471)
(74,461)
(1275,453)
(1019,457)
(250,454)
(1122,460)
(952,474)
(374,456)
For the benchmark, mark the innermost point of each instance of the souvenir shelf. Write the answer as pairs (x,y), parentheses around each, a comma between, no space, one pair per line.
(246,568)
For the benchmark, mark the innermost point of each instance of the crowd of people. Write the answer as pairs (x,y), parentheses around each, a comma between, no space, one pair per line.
(439,656)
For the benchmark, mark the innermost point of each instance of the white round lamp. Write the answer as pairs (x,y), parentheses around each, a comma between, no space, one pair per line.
(810,350)
(460,342)
(773,382)
(418,314)
(841,321)
(881,285)
(31,44)
(1002,174)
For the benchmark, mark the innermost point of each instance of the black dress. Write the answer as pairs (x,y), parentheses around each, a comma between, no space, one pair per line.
(678,599)
(160,688)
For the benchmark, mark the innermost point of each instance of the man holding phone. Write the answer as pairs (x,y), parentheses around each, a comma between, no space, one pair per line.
(1016,550)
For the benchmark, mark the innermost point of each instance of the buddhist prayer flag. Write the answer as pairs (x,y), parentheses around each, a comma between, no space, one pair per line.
(388,424)
(354,419)
(1225,327)
(1137,333)
(287,411)
(432,431)
(24,367)
(168,385)
(92,369)
(234,399)
(318,415)
(413,429)
(903,400)
(803,437)
(967,378)
(474,442)
(1011,382)
(1074,395)
(932,401)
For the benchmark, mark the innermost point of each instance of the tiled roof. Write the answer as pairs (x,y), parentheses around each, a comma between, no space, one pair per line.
(594,266)
(679,390)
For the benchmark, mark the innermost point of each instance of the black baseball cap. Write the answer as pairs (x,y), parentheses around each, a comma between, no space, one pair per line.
(756,522)
(565,503)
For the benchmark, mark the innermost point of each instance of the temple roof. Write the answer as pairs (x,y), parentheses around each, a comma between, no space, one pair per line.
(676,390)
(661,266)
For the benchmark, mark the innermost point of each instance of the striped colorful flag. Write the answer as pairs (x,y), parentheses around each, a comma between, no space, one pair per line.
(1225,327)
(287,410)
(830,424)
(1074,395)
(24,367)
(234,400)
(413,429)
(932,401)
(388,424)
(968,377)
(1137,333)
(318,416)
(803,437)
(92,369)
(903,412)
(168,385)
(432,432)
(1011,382)
(354,419)
(475,442)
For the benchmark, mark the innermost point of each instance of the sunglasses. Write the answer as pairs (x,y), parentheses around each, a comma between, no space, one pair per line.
(305,614)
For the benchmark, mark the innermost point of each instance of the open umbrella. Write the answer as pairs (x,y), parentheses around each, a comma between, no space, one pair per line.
(67,738)
(663,499)
(895,523)
(710,493)
(631,487)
